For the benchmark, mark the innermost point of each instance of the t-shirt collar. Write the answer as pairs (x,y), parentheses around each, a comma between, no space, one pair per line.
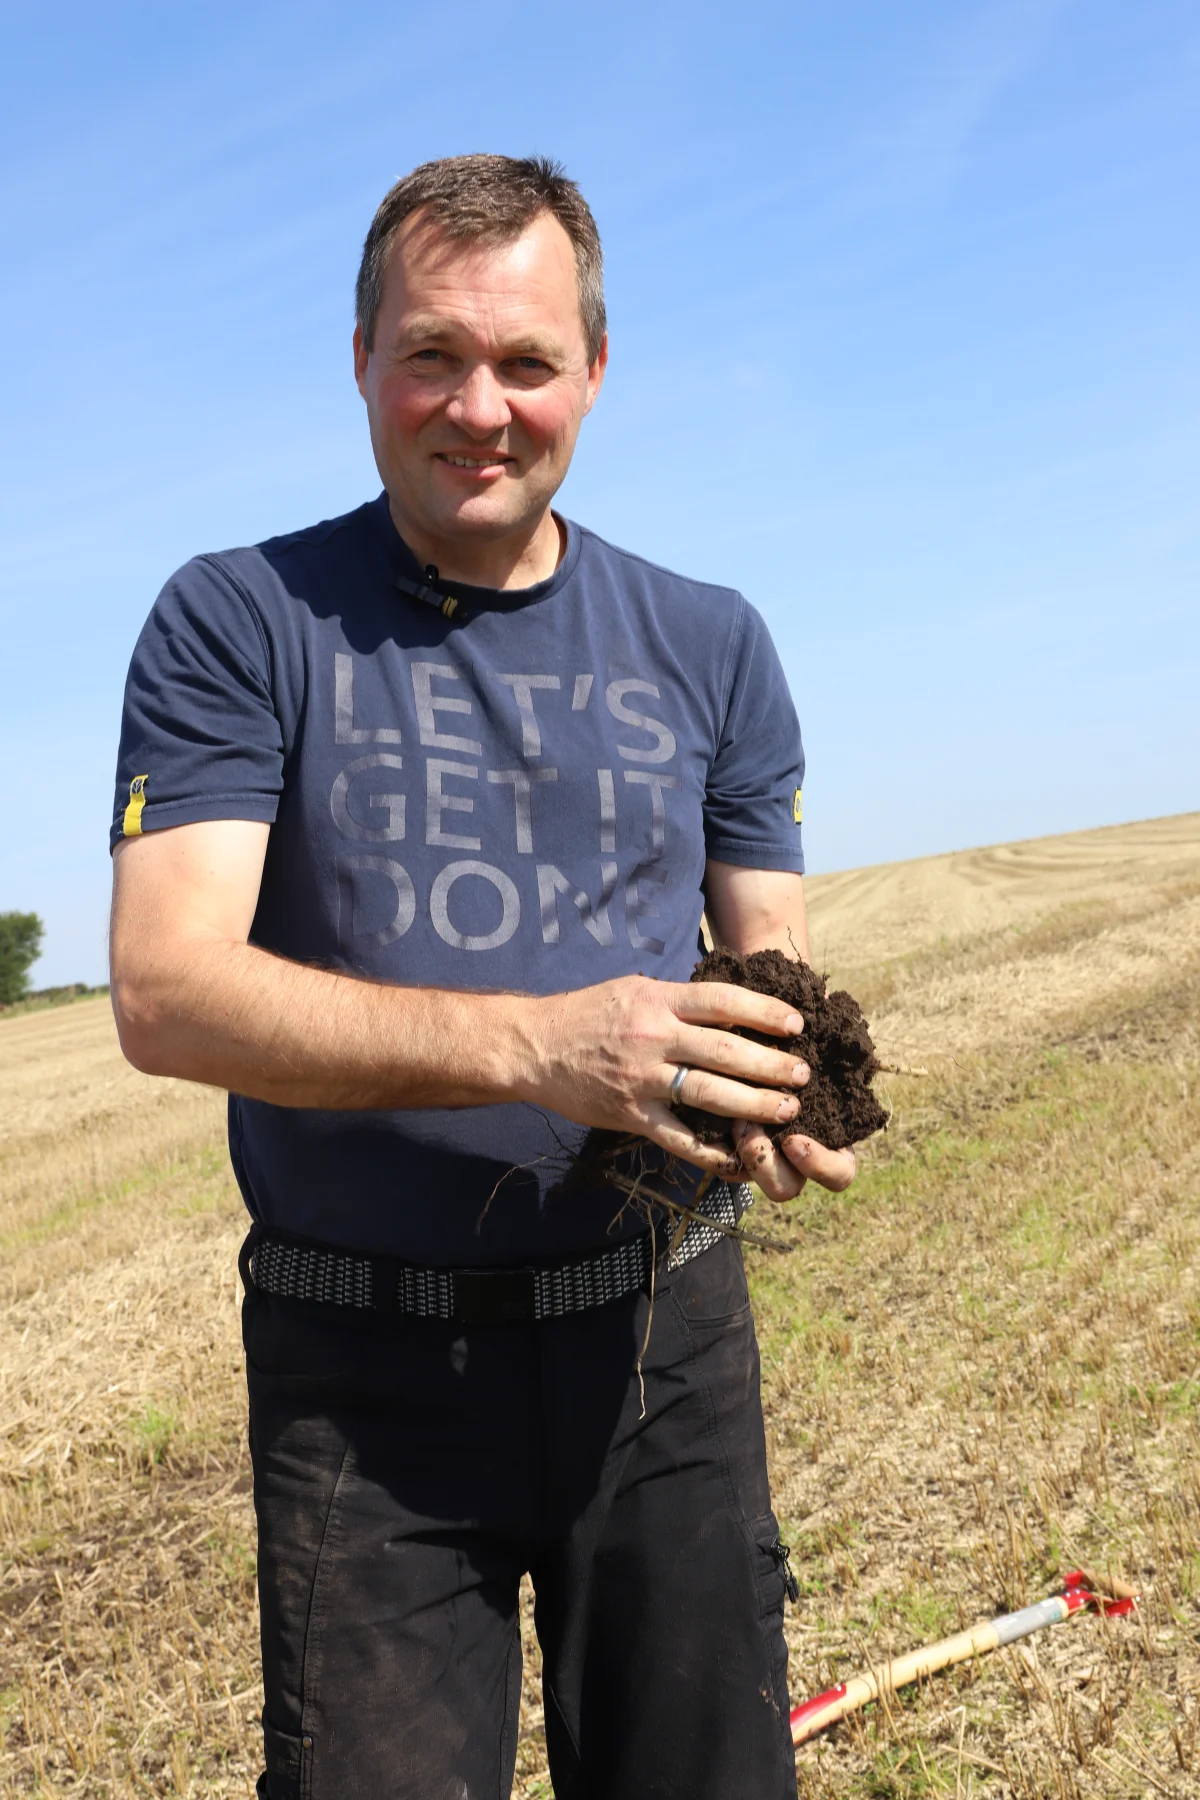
(477,599)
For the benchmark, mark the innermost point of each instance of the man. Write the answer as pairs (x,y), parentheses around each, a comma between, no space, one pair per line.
(417,814)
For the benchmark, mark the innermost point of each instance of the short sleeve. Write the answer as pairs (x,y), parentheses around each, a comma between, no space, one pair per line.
(752,807)
(200,736)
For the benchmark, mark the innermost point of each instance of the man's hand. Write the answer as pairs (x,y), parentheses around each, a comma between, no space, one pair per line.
(607,1056)
(782,1173)
(763,909)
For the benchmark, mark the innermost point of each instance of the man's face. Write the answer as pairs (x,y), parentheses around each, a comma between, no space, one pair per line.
(478,381)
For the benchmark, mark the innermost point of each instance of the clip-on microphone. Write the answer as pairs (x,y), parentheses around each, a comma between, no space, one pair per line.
(446,604)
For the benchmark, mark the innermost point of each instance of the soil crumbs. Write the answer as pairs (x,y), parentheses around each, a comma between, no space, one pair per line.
(837,1106)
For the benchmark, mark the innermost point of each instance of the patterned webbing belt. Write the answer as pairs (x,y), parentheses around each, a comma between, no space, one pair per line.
(298,1271)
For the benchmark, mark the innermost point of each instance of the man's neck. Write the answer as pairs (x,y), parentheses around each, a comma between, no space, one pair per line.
(517,562)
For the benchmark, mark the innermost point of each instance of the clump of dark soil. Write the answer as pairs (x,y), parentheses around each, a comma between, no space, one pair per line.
(837,1107)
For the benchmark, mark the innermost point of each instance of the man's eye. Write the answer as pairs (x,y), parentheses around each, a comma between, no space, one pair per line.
(531,365)
(427,356)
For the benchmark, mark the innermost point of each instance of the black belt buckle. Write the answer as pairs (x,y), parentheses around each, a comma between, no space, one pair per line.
(494,1296)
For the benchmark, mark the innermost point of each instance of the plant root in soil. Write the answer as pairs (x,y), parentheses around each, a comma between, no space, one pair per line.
(837,1106)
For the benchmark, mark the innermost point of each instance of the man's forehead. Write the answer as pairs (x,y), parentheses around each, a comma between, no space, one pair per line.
(522,331)
(436,283)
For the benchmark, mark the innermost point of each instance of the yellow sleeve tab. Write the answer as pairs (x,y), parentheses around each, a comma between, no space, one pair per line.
(132,825)
(798,807)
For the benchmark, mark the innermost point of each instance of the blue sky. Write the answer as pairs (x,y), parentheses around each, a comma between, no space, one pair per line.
(903,306)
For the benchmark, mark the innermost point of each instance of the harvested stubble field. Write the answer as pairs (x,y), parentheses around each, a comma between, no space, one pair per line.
(981,1366)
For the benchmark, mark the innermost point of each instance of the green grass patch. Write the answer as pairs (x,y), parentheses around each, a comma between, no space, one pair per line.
(154,1431)
(205,1177)
(1045,1156)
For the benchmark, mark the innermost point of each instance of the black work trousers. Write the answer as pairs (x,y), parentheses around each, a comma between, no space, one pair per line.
(405,1478)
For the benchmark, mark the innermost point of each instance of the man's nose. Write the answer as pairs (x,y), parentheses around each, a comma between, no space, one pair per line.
(478,404)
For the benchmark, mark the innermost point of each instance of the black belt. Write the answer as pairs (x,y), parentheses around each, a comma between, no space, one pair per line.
(295,1270)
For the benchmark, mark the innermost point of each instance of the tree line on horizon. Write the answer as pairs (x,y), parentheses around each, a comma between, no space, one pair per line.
(21,935)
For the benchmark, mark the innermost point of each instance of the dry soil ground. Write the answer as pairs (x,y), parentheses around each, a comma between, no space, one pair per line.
(981,1365)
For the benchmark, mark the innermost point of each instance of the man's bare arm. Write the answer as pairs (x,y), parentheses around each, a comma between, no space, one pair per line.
(761,909)
(194,998)
(756,909)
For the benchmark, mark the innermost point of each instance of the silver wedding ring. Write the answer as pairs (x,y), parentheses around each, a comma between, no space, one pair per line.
(677,1080)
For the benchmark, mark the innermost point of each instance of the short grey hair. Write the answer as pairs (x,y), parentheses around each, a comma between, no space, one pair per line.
(486,199)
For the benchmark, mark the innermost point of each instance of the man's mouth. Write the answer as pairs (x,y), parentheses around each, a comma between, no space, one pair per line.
(473,462)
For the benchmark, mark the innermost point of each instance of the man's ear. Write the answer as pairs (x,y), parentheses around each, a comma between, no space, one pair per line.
(595,376)
(361,355)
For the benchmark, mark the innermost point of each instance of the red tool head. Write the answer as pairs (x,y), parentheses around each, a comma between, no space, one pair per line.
(1078,1594)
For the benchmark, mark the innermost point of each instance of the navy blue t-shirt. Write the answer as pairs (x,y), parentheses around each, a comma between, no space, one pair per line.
(521,801)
